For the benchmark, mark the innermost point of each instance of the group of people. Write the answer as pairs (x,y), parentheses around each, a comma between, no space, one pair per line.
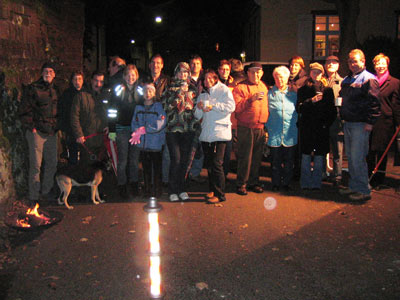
(195,119)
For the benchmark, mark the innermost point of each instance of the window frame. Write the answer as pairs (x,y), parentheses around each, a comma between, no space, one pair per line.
(326,33)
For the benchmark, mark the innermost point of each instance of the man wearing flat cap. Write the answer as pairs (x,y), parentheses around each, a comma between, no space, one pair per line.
(38,113)
(336,129)
(251,114)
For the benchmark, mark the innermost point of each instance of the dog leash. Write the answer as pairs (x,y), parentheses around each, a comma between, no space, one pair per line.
(92,156)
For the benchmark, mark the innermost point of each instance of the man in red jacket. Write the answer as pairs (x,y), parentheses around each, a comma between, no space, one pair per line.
(251,114)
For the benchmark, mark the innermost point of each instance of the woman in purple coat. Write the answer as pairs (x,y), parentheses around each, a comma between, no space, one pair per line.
(384,128)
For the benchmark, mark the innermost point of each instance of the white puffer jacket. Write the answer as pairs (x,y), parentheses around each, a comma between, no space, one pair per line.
(216,124)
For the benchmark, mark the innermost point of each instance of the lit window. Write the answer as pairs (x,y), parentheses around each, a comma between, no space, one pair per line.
(326,36)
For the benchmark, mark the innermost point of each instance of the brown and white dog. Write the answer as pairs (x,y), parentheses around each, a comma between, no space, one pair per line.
(70,176)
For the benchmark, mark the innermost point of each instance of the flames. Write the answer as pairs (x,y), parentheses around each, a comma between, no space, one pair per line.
(32,217)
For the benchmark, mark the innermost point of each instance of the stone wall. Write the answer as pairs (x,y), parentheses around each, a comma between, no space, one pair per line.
(32,32)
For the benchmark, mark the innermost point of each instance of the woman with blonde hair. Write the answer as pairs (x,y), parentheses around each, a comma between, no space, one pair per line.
(121,107)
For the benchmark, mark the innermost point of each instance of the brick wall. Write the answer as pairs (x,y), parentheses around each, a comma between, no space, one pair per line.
(33,32)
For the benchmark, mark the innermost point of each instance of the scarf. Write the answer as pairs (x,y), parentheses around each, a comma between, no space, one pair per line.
(383,78)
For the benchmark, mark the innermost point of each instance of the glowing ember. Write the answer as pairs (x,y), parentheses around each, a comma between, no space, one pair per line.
(23,223)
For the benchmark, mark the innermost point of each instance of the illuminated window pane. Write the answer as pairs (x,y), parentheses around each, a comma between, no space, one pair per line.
(333,45)
(320,46)
(326,36)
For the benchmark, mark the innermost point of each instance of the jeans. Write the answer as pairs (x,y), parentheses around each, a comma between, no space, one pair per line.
(128,155)
(180,147)
(311,179)
(356,139)
(250,146)
(214,157)
(42,148)
(282,165)
(337,155)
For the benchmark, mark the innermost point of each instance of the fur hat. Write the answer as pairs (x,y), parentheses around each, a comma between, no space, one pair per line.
(182,66)
(317,66)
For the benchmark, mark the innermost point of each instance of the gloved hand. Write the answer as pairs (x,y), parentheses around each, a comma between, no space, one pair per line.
(112,136)
(136,135)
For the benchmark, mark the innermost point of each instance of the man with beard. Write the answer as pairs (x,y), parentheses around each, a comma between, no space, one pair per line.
(89,120)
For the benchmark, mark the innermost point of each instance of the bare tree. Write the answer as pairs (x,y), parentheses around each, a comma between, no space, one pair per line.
(348,11)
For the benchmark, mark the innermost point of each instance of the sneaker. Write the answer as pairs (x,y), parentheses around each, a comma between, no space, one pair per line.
(345,191)
(359,197)
(184,196)
(173,198)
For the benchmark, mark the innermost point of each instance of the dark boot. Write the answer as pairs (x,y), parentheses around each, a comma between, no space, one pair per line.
(134,188)
(123,192)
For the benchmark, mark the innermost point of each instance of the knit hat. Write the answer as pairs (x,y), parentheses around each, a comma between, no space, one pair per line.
(317,66)
(48,65)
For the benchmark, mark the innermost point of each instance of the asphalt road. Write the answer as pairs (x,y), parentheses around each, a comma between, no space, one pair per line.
(308,246)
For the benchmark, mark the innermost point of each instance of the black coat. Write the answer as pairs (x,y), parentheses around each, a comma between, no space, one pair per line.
(315,118)
(383,130)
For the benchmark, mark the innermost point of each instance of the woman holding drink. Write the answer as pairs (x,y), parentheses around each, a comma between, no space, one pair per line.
(214,108)
(316,112)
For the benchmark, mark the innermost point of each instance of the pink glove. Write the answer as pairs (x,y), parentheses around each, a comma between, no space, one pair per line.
(136,135)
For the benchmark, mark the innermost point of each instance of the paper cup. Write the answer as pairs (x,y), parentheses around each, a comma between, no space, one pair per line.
(338,101)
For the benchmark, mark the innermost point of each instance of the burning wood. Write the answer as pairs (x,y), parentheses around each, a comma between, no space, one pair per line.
(31,218)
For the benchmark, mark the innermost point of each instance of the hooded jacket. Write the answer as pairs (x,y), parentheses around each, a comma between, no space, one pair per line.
(153,118)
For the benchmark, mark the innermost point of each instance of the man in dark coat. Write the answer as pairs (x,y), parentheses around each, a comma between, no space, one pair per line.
(89,120)
(64,112)
(38,112)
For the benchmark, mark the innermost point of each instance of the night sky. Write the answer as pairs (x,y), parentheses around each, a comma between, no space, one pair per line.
(188,27)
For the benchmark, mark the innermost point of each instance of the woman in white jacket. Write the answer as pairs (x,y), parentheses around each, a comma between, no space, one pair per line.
(214,108)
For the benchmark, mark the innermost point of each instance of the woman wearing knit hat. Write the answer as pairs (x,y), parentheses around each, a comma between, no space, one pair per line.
(316,111)
(182,128)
